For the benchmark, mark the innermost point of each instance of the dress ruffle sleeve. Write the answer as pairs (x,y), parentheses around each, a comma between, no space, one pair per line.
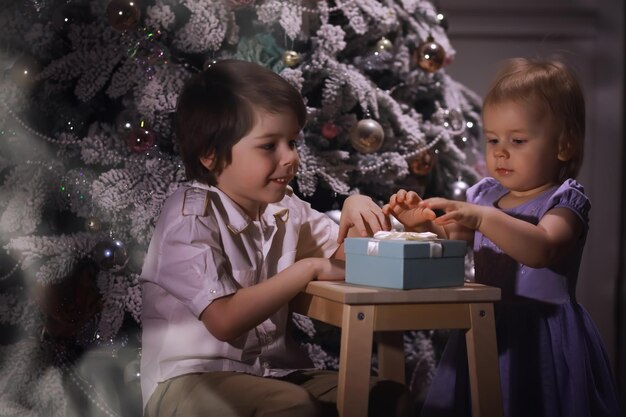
(570,195)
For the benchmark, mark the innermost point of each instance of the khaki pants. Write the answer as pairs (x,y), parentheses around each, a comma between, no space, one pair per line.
(235,394)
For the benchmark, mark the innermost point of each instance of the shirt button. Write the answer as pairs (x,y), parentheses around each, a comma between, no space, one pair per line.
(212,291)
(266,365)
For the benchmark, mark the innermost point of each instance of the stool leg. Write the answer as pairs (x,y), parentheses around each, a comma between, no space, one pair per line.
(355,360)
(391,356)
(482,358)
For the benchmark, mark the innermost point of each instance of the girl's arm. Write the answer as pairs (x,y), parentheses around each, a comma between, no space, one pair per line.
(536,246)
(229,317)
(416,217)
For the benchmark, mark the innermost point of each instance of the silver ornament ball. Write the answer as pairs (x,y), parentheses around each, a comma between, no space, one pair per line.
(384,45)
(335,215)
(367,136)
(459,190)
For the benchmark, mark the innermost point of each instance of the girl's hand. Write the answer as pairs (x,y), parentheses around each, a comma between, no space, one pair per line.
(405,206)
(465,214)
(364,215)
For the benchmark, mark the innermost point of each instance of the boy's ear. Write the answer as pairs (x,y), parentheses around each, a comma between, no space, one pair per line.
(208,162)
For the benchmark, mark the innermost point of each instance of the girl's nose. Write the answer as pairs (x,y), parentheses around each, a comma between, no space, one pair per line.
(500,152)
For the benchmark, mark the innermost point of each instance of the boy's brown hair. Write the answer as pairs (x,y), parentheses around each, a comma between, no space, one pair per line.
(218,106)
(555,92)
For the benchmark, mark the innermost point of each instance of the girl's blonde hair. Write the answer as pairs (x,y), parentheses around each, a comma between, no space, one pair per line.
(556,92)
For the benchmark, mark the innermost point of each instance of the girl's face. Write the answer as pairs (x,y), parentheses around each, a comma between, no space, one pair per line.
(522,149)
(263,162)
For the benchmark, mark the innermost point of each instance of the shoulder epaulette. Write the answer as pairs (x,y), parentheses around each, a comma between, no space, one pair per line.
(195,202)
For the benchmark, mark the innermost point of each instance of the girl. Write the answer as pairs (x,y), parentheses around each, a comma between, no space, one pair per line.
(528,222)
(230,249)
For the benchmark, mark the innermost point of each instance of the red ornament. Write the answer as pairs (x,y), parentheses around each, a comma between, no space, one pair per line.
(140,139)
(69,304)
(423,163)
(330,130)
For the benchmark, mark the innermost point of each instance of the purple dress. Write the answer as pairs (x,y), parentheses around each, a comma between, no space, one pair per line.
(552,359)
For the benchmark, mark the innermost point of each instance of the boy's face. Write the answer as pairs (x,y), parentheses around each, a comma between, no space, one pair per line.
(522,149)
(263,162)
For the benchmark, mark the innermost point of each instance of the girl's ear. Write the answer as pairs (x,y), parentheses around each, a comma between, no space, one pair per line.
(565,150)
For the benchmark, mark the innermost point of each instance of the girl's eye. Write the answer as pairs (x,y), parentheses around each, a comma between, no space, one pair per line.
(492,141)
(518,141)
(293,143)
(268,146)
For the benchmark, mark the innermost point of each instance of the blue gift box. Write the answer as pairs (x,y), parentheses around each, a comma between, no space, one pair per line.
(405,264)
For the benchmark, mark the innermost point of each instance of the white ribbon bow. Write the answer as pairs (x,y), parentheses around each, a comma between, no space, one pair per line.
(393,235)
(436,249)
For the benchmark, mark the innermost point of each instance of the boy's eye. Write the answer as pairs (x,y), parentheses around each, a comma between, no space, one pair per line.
(268,146)
(518,141)
(293,143)
(492,141)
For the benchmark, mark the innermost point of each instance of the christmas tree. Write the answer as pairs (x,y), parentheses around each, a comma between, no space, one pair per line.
(87,157)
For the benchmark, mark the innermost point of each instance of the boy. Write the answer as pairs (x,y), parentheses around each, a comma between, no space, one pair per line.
(230,249)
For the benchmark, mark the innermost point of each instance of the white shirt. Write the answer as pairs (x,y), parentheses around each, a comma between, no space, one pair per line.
(205,247)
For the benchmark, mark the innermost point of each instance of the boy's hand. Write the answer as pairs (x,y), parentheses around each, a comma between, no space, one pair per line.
(364,215)
(405,206)
(466,214)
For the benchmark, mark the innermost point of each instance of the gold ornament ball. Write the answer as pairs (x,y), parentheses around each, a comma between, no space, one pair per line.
(384,45)
(291,58)
(429,56)
(24,71)
(367,136)
(123,14)
(93,224)
(423,163)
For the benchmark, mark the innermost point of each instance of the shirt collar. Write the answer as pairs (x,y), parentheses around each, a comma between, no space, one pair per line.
(237,220)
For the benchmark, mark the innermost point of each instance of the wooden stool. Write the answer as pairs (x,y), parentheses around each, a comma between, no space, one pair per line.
(360,311)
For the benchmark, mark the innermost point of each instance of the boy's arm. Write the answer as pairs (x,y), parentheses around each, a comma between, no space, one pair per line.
(361,216)
(340,253)
(229,317)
